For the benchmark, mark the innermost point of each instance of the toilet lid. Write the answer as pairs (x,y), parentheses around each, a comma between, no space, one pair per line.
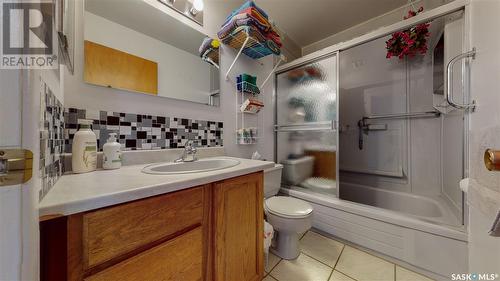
(288,207)
(320,183)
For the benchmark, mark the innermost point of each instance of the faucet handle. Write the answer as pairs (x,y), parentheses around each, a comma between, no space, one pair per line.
(190,146)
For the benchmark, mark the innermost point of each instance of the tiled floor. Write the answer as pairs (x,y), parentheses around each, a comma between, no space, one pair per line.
(325,259)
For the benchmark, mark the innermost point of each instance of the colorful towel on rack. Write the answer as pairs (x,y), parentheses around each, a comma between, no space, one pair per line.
(209,51)
(257,47)
(275,37)
(251,21)
(247,84)
(233,25)
(208,43)
(248,4)
(246,19)
(275,48)
(239,34)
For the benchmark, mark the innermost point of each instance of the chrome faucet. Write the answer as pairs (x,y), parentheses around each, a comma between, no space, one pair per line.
(189,153)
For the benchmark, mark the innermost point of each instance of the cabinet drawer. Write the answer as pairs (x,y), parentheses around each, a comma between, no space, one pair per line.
(178,259)
(115,231)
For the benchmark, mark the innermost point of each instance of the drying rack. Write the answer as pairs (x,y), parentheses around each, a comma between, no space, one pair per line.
(208,56)
(240,116)
(247,44)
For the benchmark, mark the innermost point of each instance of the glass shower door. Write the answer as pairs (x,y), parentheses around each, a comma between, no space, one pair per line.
(306,122)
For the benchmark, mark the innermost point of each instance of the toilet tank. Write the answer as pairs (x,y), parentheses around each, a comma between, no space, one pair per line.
(298,170)
(272,180)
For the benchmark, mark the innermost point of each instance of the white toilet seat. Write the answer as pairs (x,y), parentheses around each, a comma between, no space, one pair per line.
(290,217)
(288,207)
(322,185)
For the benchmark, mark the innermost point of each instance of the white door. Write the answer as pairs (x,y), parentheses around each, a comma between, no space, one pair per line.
(10,195)
(484,250)
(18,202)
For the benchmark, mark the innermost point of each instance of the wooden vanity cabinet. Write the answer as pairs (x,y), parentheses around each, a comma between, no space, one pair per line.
(209,232)
(238,222)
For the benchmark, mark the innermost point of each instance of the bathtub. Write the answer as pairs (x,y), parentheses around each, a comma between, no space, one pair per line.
(425,208)
(416,230)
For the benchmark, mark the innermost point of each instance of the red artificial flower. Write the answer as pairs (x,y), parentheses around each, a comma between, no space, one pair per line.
(410,42)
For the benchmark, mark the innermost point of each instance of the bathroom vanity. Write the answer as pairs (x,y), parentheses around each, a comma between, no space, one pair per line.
(201,226)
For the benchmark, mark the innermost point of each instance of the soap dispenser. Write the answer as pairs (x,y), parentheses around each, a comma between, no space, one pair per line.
(112,154)
(84,149)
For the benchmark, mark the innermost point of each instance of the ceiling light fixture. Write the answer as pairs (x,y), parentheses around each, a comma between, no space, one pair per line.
(198,5)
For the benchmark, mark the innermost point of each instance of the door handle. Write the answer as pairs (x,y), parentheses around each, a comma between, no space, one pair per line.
(16,166)
(492,160)
(449,81)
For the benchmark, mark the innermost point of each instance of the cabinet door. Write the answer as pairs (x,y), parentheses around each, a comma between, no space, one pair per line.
(239,216)
(176,260)
(118,230)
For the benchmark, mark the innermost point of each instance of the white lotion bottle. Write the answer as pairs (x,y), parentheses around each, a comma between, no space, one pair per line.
(112,154)
(84,149)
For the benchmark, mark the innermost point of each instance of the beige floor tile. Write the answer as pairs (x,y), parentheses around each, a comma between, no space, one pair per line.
(303,268)
(337,276)
(268,278)
(363,266)
(272,262)
(324,249)
(403,274)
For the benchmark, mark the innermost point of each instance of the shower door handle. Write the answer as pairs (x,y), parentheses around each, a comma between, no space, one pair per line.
(449,81)
(330,126)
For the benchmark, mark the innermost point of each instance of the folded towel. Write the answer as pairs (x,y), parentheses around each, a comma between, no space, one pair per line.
(273,46)
(247,83)
(275,37)
(256,48)
(250,21)
(247,78)
(248,4)
(259,51)
(250,17)
(205,44)
(241,33)
(208,43)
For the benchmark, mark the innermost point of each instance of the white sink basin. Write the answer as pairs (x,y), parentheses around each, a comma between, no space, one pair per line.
(198,166)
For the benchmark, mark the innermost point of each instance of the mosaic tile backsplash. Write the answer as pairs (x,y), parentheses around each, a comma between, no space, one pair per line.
(143,132)
(51,139)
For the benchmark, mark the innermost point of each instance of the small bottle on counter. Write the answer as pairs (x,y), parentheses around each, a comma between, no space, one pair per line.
(84,149)
(112,158)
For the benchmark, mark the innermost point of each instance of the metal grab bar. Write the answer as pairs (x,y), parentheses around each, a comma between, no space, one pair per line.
(449,81)
(307,126)
(364,127)
(424,114)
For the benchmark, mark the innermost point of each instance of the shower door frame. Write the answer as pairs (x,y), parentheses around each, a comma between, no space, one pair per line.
(335,50)
(284,69)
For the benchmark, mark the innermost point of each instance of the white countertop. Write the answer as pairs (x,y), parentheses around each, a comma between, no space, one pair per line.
(75,193)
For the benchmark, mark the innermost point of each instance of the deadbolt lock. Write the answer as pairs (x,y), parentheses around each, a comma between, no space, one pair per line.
(16,166)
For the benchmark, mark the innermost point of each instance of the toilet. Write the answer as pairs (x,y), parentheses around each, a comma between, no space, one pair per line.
(290,217)
(299,172)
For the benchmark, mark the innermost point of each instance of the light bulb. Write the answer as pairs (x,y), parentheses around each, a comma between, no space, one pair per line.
(198,5)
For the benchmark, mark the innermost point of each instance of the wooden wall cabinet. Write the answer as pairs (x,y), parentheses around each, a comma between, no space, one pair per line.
(108,67)
(210,232)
